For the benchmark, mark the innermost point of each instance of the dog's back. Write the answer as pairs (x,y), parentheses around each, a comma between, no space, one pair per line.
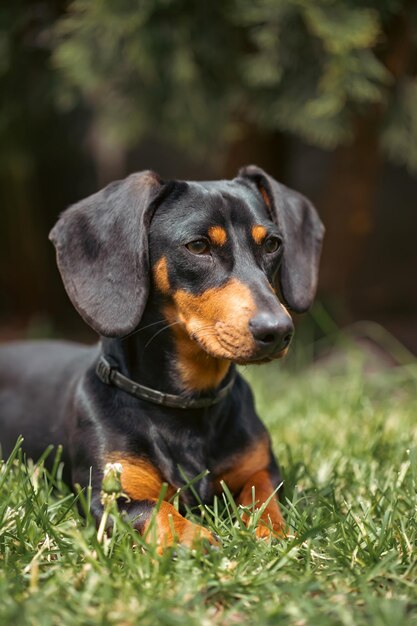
(37,380)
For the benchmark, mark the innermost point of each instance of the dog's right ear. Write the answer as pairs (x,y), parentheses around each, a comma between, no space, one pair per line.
(302,232)
(102,253)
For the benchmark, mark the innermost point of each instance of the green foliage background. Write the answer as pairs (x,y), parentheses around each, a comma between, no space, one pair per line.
(194,71)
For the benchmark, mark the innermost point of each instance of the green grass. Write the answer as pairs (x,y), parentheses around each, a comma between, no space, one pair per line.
(347,443)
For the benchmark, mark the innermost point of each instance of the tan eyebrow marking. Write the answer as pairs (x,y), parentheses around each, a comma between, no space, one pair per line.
(217,235)
(258,233)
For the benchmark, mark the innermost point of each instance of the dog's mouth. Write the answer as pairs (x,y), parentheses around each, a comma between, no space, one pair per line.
(226,324)
(223,342)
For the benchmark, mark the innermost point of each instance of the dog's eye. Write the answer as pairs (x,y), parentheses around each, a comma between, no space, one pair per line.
(272,244)
(199,246)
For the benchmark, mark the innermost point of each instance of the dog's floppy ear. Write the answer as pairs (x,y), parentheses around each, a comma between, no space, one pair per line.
(102,253)
(303,234)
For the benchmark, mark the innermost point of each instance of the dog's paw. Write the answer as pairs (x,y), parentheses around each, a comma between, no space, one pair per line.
(194,534)
(268,527)
(187,535)
(267,531)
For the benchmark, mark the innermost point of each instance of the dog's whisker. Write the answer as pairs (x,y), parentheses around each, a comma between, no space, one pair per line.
(158,332)
(138,330)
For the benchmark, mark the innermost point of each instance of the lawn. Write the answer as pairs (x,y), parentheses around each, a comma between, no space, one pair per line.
(345,434)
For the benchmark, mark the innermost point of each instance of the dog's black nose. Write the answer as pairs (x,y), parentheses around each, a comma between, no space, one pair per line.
(271,334)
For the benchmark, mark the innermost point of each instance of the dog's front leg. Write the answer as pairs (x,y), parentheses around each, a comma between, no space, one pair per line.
(157,521)
(257,490)
(162,525)
(253,476)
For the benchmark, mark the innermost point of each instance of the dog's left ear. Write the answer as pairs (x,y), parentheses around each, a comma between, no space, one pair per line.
(303,234)
(102,253)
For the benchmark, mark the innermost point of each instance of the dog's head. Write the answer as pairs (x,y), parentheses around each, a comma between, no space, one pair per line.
(217,252)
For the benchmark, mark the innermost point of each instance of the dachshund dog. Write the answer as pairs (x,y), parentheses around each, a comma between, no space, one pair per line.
(180,280)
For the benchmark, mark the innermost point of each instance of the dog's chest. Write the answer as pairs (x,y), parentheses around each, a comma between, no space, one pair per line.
(193,458)
(188,453)
(187,462)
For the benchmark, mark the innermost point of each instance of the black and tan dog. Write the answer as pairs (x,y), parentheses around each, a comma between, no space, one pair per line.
(180,279)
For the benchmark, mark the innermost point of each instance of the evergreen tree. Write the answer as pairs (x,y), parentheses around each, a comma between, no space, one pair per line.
(194,71)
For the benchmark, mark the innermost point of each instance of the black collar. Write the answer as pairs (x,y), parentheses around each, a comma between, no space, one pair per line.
(109,374)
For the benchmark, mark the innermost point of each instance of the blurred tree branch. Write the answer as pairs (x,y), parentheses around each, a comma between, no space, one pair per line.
(195,72)
(339,74)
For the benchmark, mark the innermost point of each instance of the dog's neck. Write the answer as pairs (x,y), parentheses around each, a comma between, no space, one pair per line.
(161,355)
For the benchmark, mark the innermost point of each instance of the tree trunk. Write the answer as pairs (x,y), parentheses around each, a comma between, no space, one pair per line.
(349,198)
(348,207)
(266,149)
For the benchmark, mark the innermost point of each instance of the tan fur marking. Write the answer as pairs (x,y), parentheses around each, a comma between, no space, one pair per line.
(245,465)
(265,196)
(160,275)
(271,522)
(218,318)
(214,330)
(170,527)
(248,470)
(198,370)
(140,479)
(217,235)
(258,233)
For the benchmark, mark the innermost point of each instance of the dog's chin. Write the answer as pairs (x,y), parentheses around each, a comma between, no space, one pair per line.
(259,360)
(267,359)
(218,350)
